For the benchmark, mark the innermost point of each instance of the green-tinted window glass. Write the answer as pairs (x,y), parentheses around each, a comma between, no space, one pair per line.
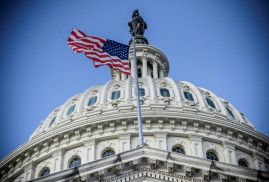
(92,101)
(115,95)
(230,112)
(71,109)
(210,102)
(52,121)
(188,96)
(165,92)
(141,92)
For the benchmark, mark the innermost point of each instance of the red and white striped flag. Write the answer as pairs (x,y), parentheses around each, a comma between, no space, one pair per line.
(101,51)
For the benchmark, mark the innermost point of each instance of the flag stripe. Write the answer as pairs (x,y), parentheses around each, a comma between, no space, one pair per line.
(103,55)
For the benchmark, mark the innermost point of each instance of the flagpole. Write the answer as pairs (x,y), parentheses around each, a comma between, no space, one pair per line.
(140,130)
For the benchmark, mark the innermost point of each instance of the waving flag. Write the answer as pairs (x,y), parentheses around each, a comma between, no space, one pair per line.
(101,51)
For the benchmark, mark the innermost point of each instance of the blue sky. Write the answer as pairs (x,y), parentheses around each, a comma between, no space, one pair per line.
(219,45)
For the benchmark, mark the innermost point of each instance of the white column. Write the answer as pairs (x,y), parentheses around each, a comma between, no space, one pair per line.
(161,73)
(145,67)
(57,162)
(229,152)
(125,142)
(161,140)
(89,148)
(117,75)
(123,76)
(258,160)
(155,69)
(132,67)
(196,145)
(29,171)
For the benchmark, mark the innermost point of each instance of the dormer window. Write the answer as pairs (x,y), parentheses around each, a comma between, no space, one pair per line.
(141,92)
(52,121)
(230,112)
(210,103)
(71,109)
(188,96)
(165,92)
(115,95)
(92,101)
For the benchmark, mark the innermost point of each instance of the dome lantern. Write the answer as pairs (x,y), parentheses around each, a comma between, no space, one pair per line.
(150,61)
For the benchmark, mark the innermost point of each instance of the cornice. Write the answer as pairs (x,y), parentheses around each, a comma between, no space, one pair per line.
(80,123)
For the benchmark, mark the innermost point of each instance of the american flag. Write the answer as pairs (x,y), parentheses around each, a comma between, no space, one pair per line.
(101,51)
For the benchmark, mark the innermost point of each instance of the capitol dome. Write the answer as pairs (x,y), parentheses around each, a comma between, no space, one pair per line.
(190,134)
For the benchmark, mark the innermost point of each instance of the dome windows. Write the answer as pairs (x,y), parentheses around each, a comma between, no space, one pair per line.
(115,95)
(188,96)
(230,112)
(52,121)
(242,163)
(75,162)
(212,156)
(210,103)
(141,92)
(108,153)
(178,149)
(71,109)
(165,92)
(92,101)
(45,172)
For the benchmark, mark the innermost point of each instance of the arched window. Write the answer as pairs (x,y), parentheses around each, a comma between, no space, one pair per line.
(141,92)
(45,172)
(71,109)
(188,96)
(92,101)
(230,112)
(52,121)
(108,153)
(210,103)
(242,163)
(75,162)
(165,92)
(212,156)
(178,149)
(115,95)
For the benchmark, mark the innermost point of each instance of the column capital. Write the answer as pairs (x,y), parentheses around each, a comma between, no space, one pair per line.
(160,135)
(195,137)
(126,136)
(145,53)
(156,57)
(30,165)
(90,142)
(228,144)
(258,155)
(58,152)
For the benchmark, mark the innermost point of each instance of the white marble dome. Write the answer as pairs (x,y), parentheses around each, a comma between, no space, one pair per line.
(152,99)
(189,133)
